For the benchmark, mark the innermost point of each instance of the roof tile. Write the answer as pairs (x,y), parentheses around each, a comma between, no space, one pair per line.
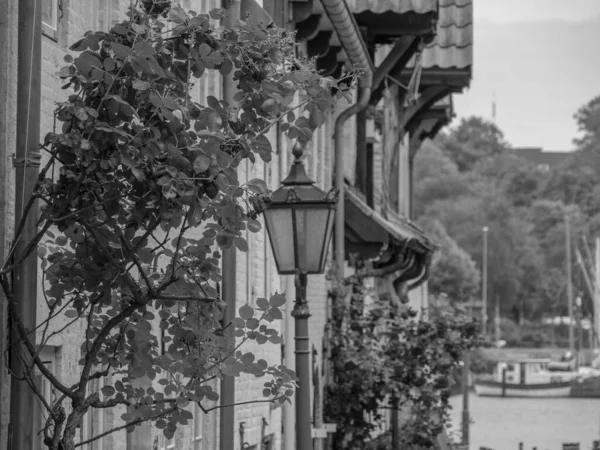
(452,47)
(395,6)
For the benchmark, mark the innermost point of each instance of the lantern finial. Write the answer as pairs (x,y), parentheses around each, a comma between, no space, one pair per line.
(298,175)
(298,150)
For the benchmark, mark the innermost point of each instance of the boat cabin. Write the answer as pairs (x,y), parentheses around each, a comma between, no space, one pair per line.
(523,372)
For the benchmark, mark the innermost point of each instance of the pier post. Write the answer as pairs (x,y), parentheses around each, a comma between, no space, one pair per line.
(465,412)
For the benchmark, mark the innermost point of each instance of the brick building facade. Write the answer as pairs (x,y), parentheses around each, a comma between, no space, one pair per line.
(391,142)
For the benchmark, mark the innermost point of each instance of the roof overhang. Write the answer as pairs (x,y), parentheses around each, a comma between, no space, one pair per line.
(430,123)
(448,59)
(332,36)
(368,232)
(376,21)
(446,68)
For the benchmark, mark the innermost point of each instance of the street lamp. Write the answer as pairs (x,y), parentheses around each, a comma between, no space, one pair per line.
(299,222)
(484,282)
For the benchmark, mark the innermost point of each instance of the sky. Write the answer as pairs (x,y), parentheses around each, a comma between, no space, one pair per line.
(540,59)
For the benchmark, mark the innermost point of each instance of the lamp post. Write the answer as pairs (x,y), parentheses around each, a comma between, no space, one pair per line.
(484,282)
(299,222)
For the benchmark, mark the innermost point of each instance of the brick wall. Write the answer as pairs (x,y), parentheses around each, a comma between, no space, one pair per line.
(257,275)
(78,17)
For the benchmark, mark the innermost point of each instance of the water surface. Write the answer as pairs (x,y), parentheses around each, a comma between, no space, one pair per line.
(501,423)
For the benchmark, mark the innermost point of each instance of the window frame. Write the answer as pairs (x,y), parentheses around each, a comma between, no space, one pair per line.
(50,30)
(197,428)
(48,358)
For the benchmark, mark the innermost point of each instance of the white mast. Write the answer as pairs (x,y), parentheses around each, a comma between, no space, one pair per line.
(597,292)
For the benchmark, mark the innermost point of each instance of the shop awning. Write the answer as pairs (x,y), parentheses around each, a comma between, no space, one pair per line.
(367,231)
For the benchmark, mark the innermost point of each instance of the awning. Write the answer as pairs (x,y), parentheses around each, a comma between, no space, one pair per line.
(367,231)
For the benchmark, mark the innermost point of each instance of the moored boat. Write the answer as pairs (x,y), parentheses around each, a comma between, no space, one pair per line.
(526,378)
(498,389)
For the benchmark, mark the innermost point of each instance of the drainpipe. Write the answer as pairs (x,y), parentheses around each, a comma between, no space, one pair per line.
(8,105)
(343,21)
(350,37)
(27,164)
(227,391)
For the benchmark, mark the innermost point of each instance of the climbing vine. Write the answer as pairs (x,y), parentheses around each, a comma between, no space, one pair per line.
(385,358)
(139,193)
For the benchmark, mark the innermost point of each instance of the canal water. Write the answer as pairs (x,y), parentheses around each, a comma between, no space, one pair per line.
(501,423)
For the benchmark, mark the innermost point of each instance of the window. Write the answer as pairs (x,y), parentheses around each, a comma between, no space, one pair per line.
(543,167)
(93,422)
(50,17)
(197,428)
(47,355)
(101,15)
(167,444)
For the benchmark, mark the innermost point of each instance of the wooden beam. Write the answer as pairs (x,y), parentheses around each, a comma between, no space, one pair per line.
(328,63)
(319,45)
(431,95)
(301,9)
(457,78)
(308,28)
(278,10)
(396,59)
(417,137)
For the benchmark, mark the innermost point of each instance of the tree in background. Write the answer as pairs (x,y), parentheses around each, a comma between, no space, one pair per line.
(473,139)
(469,178)
(453,271)
(588,124)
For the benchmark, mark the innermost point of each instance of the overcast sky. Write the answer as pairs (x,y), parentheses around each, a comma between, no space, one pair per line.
(542,60)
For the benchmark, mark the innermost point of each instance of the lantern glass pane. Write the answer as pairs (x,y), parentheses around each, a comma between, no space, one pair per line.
(311,232)
(328,233)
(281,232)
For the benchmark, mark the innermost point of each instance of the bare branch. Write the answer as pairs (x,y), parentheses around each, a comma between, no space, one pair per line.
(91,355)
(128,424)
(22,332)
(186,298)
(273,400)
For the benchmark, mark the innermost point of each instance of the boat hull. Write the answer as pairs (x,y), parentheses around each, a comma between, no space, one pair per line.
(586,388)
(542,390)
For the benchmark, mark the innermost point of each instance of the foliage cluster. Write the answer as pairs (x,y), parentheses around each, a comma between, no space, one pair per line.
(383,357)
(470,178)
(139,195)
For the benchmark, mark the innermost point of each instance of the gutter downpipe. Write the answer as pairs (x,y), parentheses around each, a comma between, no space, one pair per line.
(27,163)
(228,292)
(351,39)
(343,21)
(8,132)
